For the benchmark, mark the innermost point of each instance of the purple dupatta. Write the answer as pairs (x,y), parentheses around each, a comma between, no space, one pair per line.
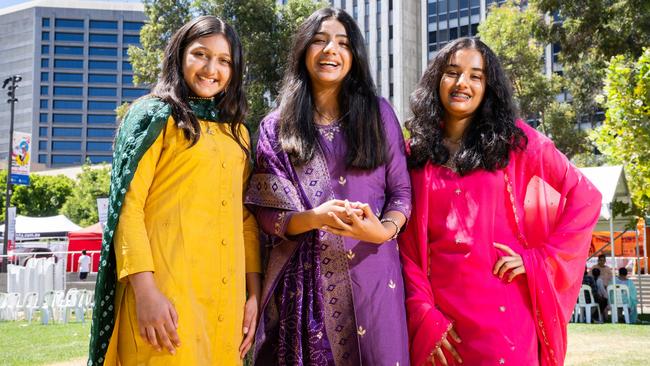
(307,304)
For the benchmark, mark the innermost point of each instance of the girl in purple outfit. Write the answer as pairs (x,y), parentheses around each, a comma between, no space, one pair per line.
(331,191)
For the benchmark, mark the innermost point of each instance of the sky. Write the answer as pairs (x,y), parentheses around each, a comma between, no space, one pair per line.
(6,3)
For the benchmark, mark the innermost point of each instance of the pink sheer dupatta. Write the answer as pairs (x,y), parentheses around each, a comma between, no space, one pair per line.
(555,209)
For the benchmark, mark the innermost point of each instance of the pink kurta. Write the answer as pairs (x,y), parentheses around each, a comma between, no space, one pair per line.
(448,257)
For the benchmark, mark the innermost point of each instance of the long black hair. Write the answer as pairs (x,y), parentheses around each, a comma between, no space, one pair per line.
(358,104)
(492,133)
(173,89)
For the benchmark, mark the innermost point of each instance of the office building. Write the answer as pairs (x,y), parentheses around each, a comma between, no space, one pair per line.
(72,56)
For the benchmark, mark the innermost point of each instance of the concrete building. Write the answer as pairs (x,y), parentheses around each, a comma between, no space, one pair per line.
(73,58)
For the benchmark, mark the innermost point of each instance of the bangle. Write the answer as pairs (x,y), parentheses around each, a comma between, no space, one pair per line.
(392,221)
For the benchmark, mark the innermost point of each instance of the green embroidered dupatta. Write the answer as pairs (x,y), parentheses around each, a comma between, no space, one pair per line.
(142,125)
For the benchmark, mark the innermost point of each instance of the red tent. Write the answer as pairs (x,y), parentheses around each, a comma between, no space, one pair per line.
(88,238)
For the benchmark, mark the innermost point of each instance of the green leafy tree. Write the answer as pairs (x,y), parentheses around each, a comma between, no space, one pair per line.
(44,196)
(92,183)
(265,29)
(508,30)
(624,137)
(589,33)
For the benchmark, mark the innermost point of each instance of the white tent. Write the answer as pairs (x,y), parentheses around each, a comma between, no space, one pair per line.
(28,228)
(611,182)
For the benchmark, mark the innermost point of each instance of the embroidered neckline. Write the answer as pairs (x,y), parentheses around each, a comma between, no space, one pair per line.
(204,108)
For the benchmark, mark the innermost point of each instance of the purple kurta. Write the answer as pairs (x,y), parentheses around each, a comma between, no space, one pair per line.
(374,278)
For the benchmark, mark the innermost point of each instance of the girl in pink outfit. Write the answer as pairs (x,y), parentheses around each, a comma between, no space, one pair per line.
(500,229)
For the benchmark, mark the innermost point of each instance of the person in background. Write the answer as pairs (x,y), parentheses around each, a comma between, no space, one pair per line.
(83,265)
(631,300)
(600,293)
(605,270)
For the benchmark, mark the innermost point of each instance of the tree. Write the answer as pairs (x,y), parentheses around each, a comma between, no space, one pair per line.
(264,27)
(92,183)
(44,196)
(508,30)
(589,33)
(624,137)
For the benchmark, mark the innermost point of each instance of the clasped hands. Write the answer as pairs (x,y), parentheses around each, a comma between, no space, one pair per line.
(352,219)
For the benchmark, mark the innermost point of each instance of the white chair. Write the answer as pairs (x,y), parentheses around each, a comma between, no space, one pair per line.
(30,304)
(619,298)
(3,304)
(11,306)
(74,300)
(89,304)
(47,306)
(58,302)
(587,302)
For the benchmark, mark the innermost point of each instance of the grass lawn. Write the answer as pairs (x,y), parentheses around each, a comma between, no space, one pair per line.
(589,344)
(22,343)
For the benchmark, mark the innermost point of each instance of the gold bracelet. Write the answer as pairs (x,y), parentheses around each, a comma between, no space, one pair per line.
(392,221)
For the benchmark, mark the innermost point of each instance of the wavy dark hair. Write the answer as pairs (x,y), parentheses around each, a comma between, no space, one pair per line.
(492,133)
(173,89)
(358,102)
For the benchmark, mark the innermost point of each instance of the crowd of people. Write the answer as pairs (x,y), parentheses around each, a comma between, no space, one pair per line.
(360,228)
(600,277)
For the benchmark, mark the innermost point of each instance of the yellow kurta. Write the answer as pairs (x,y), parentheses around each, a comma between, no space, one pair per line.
(183,219)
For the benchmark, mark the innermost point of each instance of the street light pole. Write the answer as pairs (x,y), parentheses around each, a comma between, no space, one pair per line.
(13,81)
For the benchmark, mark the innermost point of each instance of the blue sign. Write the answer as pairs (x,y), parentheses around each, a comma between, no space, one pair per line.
(20,179)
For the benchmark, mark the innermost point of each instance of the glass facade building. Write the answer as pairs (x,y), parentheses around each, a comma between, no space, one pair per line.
(74,76)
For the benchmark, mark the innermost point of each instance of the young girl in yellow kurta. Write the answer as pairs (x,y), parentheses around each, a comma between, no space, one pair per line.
(186,249)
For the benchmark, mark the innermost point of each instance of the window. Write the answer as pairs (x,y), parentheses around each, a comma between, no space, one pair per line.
(42,131)
(42,118)
(42,158)
(68,64)
(45,36)
(45,23)
(44,104)
(69,37)
(125,52)
(45,49)
(101,119)
(126,65)
(453,33)
(68,90)
(99,146)
(101,105)
(68,104)
(102,51)
(134,93)
(102,65)
(45,76)
(45,62)
(100,159)
(103,24)
(66,132)
(42,145)
(66,145)
(102,92)
(66,118)
(66,159)
(133,26)
(69,23)
(127,79)
(100,132)
(68,77)
(69,50)
(103,38)
(102,78)
(132,39)
(44,90)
